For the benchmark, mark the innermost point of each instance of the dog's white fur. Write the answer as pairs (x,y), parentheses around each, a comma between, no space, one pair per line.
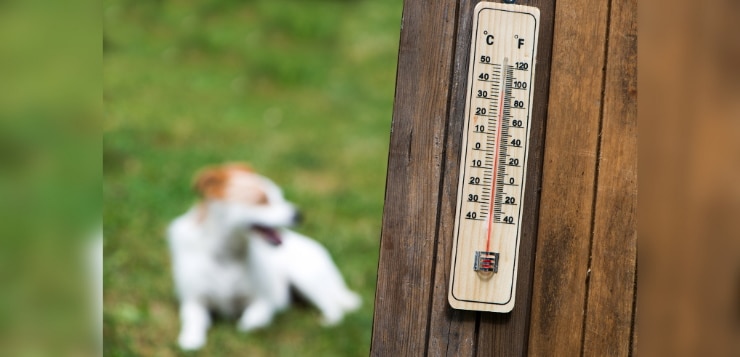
(223,261)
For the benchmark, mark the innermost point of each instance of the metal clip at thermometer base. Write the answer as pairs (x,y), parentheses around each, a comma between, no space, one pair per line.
(493,159)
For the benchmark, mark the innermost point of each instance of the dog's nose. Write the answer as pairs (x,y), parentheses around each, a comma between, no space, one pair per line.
(297,217)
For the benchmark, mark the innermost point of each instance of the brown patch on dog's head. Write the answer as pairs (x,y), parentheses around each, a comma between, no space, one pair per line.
(212,182)
(238,166)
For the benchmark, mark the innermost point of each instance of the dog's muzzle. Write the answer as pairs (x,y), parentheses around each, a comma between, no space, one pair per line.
(270,234)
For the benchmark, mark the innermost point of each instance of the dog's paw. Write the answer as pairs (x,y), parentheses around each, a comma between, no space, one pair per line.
(351,302)
(191,342)
(256,316)
(247,325)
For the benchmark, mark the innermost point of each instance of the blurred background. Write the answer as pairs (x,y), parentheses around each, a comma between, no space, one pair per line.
(50,175)
(689,112)
(303,90)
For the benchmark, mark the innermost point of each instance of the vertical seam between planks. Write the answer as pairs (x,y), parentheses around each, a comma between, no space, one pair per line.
(596,176)
(443,165)
(634,313)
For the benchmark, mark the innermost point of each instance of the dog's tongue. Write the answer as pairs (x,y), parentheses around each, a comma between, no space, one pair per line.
(271,235)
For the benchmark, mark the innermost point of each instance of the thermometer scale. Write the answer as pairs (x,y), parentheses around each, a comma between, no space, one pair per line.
(493,158)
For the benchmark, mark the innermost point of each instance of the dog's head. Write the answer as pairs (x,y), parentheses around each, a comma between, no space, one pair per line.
(258,201)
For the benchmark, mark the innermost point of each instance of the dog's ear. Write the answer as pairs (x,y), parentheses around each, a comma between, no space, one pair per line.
(210,182)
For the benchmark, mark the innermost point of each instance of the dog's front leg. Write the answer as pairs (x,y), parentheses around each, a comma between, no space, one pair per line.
(195,320)
(258,314)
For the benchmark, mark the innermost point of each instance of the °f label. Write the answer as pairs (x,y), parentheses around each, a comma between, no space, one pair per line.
(493,160)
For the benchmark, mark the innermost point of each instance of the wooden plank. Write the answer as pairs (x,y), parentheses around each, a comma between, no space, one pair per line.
(507,334)
(614,249)
(410,217)
(566,210)
(452,332)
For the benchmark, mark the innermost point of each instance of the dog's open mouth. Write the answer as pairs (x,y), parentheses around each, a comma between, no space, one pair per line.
(270,234)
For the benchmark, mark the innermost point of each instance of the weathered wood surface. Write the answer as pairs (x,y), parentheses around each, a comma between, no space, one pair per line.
(410,217)
(569,176)
(610,300)
(574,216)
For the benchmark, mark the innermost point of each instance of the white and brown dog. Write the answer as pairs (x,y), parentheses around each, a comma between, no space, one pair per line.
(232,255)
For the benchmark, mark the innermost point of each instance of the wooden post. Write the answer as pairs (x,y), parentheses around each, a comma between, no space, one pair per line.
(575,291)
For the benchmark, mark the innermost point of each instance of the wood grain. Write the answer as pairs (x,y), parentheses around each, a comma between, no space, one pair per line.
(614,250)
(410,217)
(452,332)
(569,173)
(585,205)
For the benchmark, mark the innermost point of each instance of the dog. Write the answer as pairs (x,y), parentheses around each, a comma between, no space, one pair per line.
(233,255)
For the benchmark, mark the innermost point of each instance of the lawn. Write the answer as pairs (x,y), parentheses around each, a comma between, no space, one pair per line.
(303,90)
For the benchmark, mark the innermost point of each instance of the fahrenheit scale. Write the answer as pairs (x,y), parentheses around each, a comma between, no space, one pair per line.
(493,159)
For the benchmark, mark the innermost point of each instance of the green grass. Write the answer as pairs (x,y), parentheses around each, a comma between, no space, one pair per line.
(303,90)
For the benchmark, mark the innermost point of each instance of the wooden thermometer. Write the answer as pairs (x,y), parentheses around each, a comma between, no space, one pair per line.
(493,159)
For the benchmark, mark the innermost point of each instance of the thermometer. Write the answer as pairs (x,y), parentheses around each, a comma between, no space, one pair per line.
(493,159)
